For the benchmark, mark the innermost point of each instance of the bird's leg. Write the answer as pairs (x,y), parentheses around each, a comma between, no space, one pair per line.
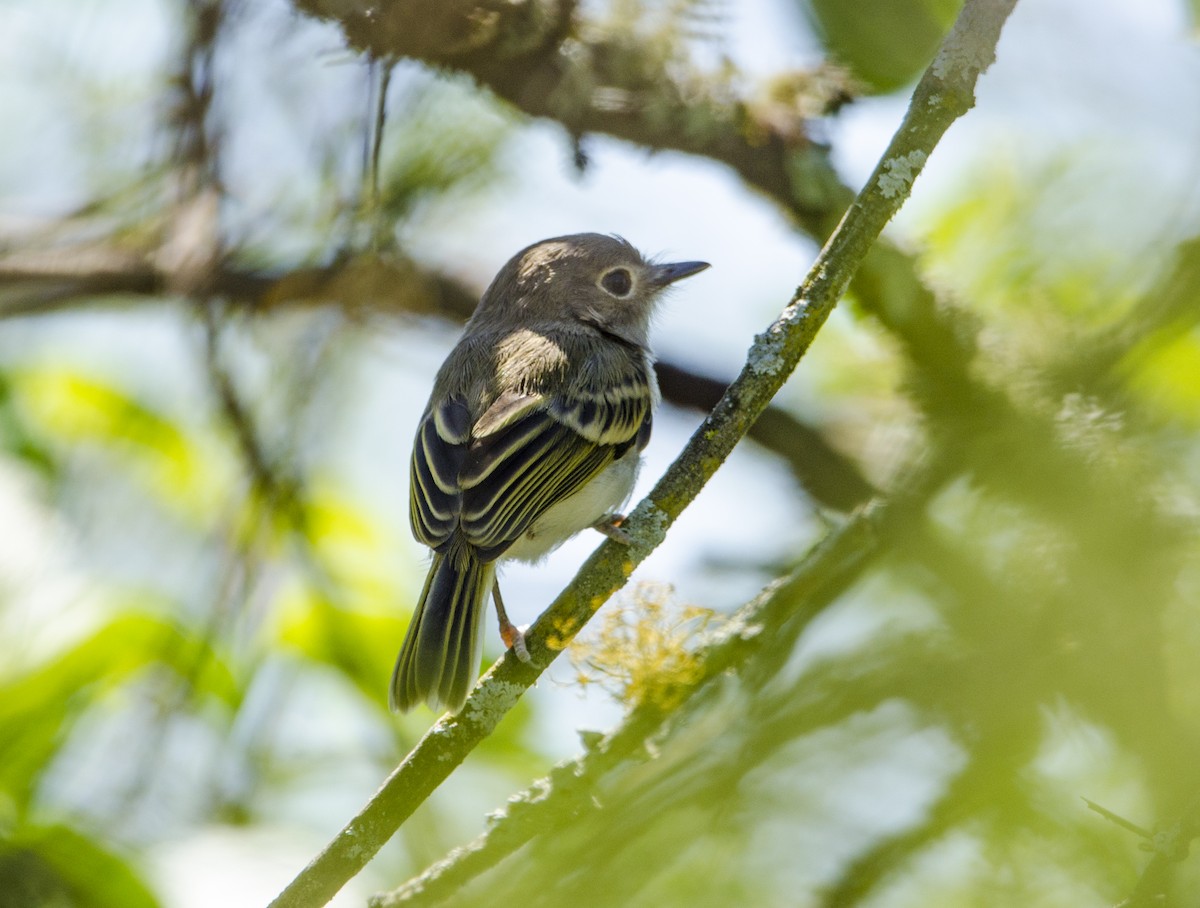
(509,632)
(610,526)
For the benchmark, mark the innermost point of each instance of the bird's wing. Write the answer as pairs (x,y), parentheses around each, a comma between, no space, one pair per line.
(494,479)
(435,497)
(512,477)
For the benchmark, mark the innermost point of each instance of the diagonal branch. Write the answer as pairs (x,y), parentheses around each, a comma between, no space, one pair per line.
(945,92)
(829,476)
(774,618)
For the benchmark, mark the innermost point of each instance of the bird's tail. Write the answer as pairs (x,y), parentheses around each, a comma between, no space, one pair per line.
(439,659)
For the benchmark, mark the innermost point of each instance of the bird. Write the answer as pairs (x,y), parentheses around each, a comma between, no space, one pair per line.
(533,432)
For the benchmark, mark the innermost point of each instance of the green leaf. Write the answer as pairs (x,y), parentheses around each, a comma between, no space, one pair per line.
(1166,379)
(16,436)
(52,866)
(885,43)
(39,706)
(70,408)
(361,645)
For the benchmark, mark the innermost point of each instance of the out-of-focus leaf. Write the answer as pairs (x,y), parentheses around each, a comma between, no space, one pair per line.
(1026,239)
(16,437)
(884,43)
(361,645)
(38,707)
(53,866)
(1168,380)
(355,544)
(359,633)
(74,408)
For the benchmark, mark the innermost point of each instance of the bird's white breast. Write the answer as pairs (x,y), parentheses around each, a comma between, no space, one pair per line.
(602,496)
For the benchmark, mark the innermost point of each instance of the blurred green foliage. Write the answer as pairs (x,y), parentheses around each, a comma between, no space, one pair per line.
(57,867)
(885,44)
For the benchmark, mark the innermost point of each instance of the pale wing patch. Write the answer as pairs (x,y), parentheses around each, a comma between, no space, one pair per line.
(507,409)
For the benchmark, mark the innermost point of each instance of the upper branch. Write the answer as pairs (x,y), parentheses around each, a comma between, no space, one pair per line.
(549,61)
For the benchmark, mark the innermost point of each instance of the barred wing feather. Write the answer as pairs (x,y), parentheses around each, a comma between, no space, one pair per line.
(492,481)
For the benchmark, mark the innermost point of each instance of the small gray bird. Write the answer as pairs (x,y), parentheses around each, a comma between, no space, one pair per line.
(533,432)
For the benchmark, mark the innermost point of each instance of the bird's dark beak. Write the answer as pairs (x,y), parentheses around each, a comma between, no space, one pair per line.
(662,275)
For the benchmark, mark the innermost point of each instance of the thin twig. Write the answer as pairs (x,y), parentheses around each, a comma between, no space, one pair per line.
(1170,846)
(380,73)
(280,491)
(1119,820)
(377,127)
(945,92)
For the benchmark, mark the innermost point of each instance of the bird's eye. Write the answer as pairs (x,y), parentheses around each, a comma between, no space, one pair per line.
(618,282)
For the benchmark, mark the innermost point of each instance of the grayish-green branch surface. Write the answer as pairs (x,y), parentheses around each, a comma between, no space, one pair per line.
(945,92)
(771,619)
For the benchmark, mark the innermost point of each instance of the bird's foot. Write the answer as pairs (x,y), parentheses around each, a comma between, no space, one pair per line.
(610,526)
(514,639)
